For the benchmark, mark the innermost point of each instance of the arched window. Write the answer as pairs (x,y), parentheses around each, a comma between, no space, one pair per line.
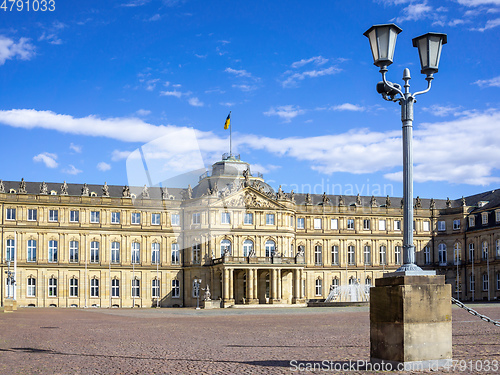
(457,253)
(270,248)
(397,254)
(351,255)
(247,248)
(136,252)
(225,248)
(318,255)
(367,253)
(319,287)
(382,255)
(442,254)
(94,252)
(471,252)
(486,282)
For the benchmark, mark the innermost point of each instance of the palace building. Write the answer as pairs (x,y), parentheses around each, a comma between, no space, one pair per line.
(113,246)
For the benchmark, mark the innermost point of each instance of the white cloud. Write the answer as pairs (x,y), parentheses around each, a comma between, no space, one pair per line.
(415,12)
(285,112)
(9,50)
(493,82)
(238,73)
(245,88)
(436,155)
(348,107)
(135,3)
(143,112)
(195,102)
(293,78)
(47,158)
(318,60)
(151,84)
(156,17)
(175,93)
(490,24)
(103,167)
(474,3)
(442,111)
(72,170)
(263,168)
(76,148)
(227,104)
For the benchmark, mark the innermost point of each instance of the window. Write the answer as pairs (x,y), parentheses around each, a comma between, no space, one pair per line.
(270,248)
(115,218)
(498,280)
(397,224)
(484,218)
(155,288)
(94,252)
(53,215)
(334,224)
(11,249)
(351,255)
(381,225)
(115,252)
(136,288)
(196,218)
(366,224)
(136,250)
(175,253)
(427,255)
(248,218)
(471,252)
(486,282)
(136,218)
(225,248)
(31,251)
(300,223)
(426,226)
(196,253)
(317,223)
(472,221)
(74,216)
(115,288)
(31,290)
(155,253)
(319,287)
(73,287)
(456,224)
(176,289)
(497,215)
(52,251)
(247,247)
(441,225)
(457,253)
(269,219)
(472,283)
(52,287)
(350,223)
(318,255)
(335,286)
(175,219)
(301,249)
(32,214)
(335,255)
(94,216)
(367,254)
(368,282)
(11,214)
(442,254)
(225,218)
(485,250)
(382,255)
(498,248)
(155,219)
(73,251)
(397,255)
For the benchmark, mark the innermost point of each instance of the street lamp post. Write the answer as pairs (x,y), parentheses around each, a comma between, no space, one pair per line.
(197,283)
(383,42)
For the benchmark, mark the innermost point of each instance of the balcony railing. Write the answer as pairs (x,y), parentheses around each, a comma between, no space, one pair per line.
(258,260)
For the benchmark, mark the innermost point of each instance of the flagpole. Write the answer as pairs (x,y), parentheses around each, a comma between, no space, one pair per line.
(230,137)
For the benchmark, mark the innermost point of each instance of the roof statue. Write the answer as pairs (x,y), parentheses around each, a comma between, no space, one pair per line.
(43,188)
(126,192)
(85,190)
(145,192)
(418,202)
(325,199)
(341,201)
(280,194)
(64,188)
(373,202)
(246,175)
(189,192)
(463,202)
(2,187)
(105,190)
(433,204)
(308,199)
(358,200)
(292,196)
(164,193)
(22,187)
(448,202)
(388,201)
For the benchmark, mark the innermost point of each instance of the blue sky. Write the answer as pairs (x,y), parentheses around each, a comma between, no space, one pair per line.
(87,84)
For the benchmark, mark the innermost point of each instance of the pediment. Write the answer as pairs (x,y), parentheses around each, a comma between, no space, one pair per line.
(247,198)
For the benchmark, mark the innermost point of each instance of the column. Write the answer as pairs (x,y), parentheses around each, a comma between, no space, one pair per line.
(301,287)
(231,284)
(278,276)
(255,284)
(249,295)
(296,279)
(225,272)
(272,279)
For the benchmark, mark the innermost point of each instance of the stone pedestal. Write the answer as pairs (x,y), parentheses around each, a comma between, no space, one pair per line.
(212,304)
(298,300)
(410,321)
(9,305)
(252,301)
(228,302)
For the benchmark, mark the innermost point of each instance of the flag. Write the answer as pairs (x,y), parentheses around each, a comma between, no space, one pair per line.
(228,121)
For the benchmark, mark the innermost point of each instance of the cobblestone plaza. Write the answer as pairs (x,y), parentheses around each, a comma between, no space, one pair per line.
(228,341)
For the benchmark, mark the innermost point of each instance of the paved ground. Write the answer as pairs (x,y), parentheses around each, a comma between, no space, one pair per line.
(186,341)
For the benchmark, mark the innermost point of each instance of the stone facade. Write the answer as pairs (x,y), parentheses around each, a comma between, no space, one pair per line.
(100,245)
